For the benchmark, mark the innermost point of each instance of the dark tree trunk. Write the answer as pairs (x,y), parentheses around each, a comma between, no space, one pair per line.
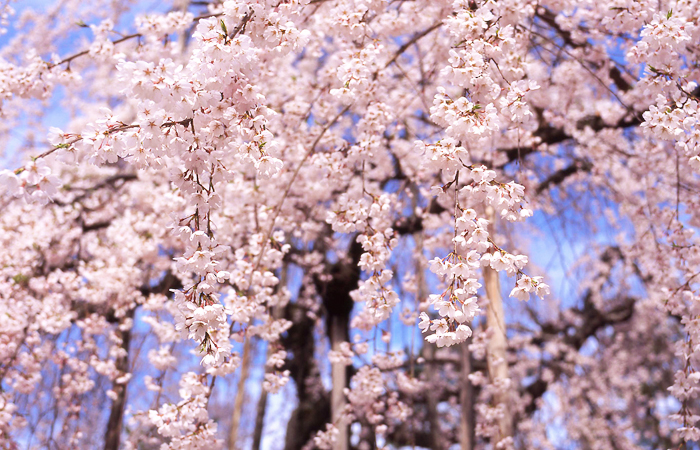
(116,414)
(313,411)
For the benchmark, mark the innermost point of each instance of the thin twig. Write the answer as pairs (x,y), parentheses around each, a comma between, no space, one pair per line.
(120,40)
(278,208)
(70,143)
(412,41)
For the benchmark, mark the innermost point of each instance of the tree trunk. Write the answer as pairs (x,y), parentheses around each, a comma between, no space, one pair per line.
(466,401)
(335,294)
(431,397)
(240,395)
(262,400)
(338,333)
(497,343)
(314,408)
(116,414)
(259,419)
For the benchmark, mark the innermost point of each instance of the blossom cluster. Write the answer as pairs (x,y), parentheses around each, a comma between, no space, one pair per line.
(211,167)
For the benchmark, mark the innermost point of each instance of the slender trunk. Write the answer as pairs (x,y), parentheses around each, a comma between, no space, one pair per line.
(466,401)
(240,395)
(339,376)
(182,40)
(432,400)
(428,352)
(497,344)
(116,414)
(259,420)
(262,400)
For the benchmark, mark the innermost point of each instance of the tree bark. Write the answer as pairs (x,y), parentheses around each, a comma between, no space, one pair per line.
(338,333)
(497,344)
(259,419)
(116,414)
(314,408)
(262,400)
(335,294)
(432,401)
(466,401)
(240,395)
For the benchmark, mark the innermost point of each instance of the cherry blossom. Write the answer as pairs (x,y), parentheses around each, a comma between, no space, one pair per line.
(230,220)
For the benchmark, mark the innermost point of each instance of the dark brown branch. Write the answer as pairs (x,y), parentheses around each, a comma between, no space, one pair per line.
(549,18)
(561,175)
(241,26)
(619,81)
(551,136)
(107,182)
(85,52)
(416,37)
(591,319)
